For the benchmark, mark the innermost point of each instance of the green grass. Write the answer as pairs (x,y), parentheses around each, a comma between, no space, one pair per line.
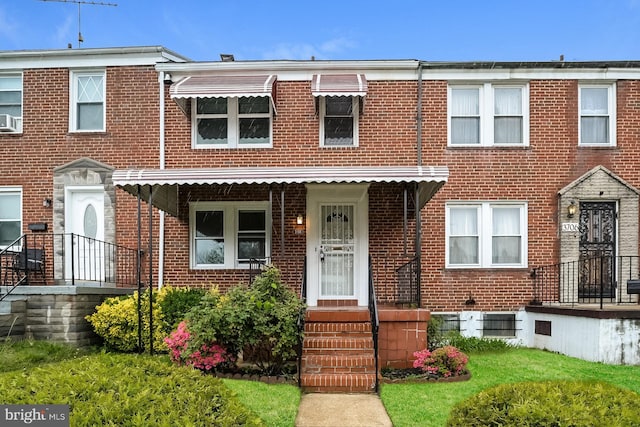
(276,404)
(429,404)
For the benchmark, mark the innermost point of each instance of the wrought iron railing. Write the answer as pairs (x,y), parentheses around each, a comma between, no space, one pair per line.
(375,321)
(408,282)
(55,259)
(600,280)
(301,316)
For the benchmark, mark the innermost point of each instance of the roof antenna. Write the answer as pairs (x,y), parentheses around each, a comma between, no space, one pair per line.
(80,2)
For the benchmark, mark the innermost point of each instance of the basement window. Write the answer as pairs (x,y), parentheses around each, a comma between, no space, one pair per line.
(499,325)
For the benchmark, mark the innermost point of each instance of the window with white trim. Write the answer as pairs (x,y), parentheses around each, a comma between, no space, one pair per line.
(486,235)
(11,103)
(339,121)
(10,215)
(228,234)
(489,115)
(88,101)
(243,122)
(597,115)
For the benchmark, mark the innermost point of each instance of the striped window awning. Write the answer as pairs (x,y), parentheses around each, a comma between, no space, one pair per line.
(339,85)
(207,86)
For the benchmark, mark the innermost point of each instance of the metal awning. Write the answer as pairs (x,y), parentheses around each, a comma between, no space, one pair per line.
(207,86)
(164,183)
(339,85)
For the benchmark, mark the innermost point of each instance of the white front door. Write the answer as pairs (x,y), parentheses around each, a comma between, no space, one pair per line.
(337,243)
(84,233)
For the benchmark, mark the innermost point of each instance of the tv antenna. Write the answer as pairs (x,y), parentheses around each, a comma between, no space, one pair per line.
(79,3)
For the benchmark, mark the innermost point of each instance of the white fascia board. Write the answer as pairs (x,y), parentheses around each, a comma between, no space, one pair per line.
(298,70)
(81,58)
(610,74)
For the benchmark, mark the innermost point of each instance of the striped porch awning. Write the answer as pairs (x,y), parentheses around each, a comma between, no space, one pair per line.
(339,85)
(164,183)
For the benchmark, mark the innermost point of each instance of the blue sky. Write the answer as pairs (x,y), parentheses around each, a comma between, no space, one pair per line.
(446,30)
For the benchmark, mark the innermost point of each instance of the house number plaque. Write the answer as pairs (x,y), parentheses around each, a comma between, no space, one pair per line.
(571,227)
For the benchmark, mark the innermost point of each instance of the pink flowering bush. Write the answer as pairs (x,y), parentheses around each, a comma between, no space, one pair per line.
(207,358)
(442,362)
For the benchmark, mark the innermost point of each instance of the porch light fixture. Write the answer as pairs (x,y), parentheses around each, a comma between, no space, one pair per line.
(572,209)
(46,203)
(299,229)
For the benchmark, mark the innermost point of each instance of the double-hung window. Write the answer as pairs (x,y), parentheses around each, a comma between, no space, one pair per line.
(597,115)
(486,235)
(228,234)
(88,101)
(339,121)
(11,103)
(10,215)
(489,115)
(240,122)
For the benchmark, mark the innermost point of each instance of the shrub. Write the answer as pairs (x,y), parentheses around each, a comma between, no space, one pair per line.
(132,390)
(261,320)
(206,358)
(176,303)
(549,403)
(116,319)
(443,362)
(475,344)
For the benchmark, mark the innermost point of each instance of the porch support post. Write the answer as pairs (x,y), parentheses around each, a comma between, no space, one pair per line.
(404,222)
(418,249)
(282,220)
(139,275)
(150,270)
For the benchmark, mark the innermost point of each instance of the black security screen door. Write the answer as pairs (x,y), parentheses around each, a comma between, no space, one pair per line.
(597,249)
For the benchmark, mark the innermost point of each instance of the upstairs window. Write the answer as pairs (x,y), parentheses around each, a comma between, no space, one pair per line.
(10,215)
(339,121)
(597,115)
(88,101)
(488,115)
(228,234)
(486,235)
(243,122)
(11,103)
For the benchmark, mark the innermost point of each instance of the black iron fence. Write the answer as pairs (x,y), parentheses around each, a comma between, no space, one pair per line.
(408,283)
(597,280)
(375,321)
(66,259)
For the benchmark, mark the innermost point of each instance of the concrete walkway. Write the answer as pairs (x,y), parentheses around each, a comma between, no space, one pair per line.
(341,410)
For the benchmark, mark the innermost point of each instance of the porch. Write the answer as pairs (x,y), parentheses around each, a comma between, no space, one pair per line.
(587,309)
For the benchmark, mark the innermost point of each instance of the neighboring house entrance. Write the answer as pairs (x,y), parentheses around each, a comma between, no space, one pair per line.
(597,249)
(337,243)
(84,236)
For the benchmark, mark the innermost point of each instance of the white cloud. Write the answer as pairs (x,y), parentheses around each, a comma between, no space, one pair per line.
(64,33)
(325,50)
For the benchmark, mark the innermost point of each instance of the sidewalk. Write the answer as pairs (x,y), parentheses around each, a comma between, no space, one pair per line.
(341,410)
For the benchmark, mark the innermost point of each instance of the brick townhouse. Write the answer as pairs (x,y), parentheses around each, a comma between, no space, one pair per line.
(498,196)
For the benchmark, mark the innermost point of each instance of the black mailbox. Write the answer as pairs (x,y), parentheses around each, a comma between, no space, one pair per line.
(633,286)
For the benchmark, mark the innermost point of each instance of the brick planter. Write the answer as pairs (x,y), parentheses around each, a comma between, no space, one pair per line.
(402,332)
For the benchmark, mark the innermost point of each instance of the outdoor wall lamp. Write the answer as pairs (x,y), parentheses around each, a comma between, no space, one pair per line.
(46,203)
(572,209)
(299,229)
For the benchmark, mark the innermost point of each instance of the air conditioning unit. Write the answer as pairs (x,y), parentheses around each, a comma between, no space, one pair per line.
(8,123)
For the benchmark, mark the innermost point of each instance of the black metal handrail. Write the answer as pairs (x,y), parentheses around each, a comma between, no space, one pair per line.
(375,321)
(601,279)
(301,315)
(52,259)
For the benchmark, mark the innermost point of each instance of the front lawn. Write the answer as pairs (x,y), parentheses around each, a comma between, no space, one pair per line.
(429,404)
(128,389)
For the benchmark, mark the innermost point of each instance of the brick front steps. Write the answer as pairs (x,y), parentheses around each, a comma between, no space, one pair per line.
(337,353)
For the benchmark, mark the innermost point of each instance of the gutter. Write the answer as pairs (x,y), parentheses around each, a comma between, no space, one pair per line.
(161,226)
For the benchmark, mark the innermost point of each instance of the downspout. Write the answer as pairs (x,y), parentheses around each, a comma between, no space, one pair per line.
(162,83)
(418,250)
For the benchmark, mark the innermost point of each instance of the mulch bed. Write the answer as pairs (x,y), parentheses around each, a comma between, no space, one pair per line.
(414,375)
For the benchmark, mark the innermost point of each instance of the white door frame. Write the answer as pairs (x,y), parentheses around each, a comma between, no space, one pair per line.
(69,219)
(358,195)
